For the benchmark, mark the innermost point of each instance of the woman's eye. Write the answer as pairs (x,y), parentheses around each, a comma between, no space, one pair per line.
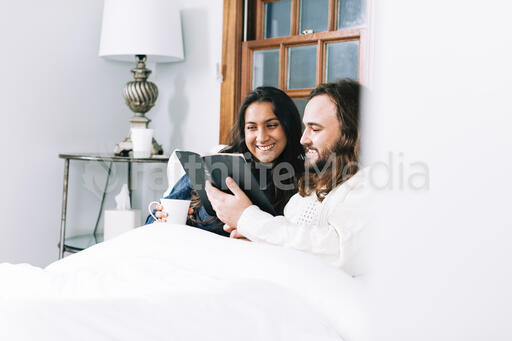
(272,126)
(251,128)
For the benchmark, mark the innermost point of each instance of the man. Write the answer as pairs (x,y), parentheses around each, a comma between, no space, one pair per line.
(328,214)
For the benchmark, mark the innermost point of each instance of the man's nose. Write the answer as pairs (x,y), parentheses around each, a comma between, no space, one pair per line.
(305,140)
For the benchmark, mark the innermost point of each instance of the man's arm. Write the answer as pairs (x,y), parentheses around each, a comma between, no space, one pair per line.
(260,226)
(338,238)
(257,225)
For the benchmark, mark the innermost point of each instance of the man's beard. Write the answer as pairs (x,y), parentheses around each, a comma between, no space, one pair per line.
(325,157)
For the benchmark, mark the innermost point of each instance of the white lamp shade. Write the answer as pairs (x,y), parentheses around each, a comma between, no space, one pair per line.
(149,27)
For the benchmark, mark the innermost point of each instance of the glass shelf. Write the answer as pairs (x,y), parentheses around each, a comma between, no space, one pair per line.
(109,157)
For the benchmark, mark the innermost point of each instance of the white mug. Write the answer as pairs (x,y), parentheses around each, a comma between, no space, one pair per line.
(141,142)
(176,209)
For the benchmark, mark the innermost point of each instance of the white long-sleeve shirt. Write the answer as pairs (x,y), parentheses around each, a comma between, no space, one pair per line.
(331,229)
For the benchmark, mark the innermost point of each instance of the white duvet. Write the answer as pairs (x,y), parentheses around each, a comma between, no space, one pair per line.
(173,282)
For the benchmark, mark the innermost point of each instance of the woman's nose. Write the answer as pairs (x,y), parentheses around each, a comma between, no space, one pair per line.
(262,135)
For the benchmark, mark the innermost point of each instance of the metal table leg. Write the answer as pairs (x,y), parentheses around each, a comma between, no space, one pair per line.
(64,209)
(130,182)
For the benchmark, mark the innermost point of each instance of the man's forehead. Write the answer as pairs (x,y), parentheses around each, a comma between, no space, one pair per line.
(320,109)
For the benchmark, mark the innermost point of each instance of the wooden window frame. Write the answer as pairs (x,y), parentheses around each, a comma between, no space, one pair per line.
(237,54)
(321,39)
(232,35)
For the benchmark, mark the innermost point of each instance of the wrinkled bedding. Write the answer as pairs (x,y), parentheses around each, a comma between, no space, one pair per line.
(173,282)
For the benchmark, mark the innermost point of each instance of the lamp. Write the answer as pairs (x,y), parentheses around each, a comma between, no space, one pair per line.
(147,30)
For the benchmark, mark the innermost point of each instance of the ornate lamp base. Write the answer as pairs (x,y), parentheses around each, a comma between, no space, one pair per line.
(140,95)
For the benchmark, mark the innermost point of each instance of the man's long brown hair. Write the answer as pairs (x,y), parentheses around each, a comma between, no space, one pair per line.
(345,95)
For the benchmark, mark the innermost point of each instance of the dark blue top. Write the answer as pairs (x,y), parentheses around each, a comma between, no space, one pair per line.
(183,190)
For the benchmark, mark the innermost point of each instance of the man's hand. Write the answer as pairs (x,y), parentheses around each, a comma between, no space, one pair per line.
(233,233)
(228,207)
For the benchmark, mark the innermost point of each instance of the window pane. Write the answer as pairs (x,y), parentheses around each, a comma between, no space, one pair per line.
(265,68)
(301,105)
(314,15)
(277,18)
(351,13)
(342,60)
(302,67)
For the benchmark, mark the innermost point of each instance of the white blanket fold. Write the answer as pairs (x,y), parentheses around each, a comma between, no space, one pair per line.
(173,282)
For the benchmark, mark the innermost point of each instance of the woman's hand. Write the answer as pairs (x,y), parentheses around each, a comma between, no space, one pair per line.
(161,214)
(228,207)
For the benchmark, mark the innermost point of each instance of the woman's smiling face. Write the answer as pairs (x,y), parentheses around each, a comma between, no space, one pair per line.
(264,135)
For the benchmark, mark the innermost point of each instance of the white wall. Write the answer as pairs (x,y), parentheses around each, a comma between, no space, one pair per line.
(442,256)
(58,96)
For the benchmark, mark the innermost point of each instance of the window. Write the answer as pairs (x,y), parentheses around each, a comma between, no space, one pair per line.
(295,45)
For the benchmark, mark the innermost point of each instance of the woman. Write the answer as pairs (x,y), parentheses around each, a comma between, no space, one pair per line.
(267,132)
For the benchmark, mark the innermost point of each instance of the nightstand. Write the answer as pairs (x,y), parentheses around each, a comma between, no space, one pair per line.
(78,243)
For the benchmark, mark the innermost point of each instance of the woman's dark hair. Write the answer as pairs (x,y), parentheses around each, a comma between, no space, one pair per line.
(293,154)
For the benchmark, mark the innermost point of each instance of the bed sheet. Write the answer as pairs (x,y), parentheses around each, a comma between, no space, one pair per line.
(173,282)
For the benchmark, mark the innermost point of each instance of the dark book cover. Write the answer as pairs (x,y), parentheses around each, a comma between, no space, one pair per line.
(216,168)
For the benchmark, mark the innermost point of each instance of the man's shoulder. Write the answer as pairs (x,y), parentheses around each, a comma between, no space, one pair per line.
(357,181)
(299,198)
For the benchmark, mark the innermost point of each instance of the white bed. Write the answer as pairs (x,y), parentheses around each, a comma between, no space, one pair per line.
(174,282)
